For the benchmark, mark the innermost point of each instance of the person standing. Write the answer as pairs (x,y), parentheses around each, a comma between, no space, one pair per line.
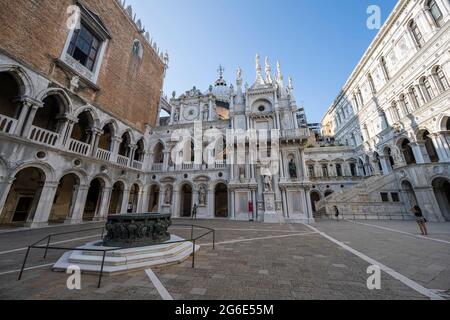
(194,211)
(336,212)
(421,221)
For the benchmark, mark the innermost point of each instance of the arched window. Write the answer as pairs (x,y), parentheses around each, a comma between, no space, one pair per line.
(312,173)
(414,95)
(435,12)
(395,112)
(360,97)
(355,102)
(441,79)
(385,68)
(138,51)
(371,84)
(325,171)
(405,104)
(339,170)
(426,88)
(353,169)
(416,33)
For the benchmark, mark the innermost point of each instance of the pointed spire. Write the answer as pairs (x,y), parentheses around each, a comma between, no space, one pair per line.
(279,74)
(268,72)
(259,77)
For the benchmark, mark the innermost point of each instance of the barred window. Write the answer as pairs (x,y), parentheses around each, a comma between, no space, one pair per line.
(84,47)
(417,35)
(435,12)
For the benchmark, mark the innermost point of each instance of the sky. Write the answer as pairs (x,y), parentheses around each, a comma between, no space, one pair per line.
(317,42)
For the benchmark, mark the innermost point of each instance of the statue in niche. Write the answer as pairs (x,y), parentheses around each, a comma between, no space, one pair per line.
(241,173)
(168,195)
(205,113)
(202,196)
(268,183)
(292,169)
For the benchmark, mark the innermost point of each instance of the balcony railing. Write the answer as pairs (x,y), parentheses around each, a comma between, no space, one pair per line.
(123,161)
(220,165)
(301,133)
(79,147)
(157,167)
(7,124)
(187,166)
(137,165)
(103,155)
(43,136)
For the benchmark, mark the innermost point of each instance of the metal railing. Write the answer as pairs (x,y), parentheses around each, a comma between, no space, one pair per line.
(47,240)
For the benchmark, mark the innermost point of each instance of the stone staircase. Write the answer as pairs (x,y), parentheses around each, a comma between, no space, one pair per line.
(363,202)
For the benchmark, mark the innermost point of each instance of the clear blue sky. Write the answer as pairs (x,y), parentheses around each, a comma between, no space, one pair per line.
(318,42)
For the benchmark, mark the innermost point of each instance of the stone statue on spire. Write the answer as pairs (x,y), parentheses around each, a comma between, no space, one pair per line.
(259,77)
(268,72)
(239,74)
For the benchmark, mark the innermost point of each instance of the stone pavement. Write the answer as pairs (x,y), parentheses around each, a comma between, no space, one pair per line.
(251,261)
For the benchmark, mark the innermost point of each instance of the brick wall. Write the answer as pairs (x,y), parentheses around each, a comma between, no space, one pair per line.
(34,32)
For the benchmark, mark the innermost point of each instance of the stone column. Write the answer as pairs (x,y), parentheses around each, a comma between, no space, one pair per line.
(26,106)
(80,202)
(102,213)
(440,145)
(176,203)
(166,160)
(5,187)
(294,115)
(418,155)
(233,205)
(309,205)
(29,122)
(125,200)
(45,204)
(133,149)
(96,134)
(210,203)
(116,141)
(385,165)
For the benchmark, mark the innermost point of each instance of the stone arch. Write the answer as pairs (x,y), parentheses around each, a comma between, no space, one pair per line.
(443,123)
(22,77)
(423,137)
(65,197)
(158,150)
(52,115)
(117,197)
(83,130)
(44,166)
(139,154)
(410,198)
(315,196)
(441,188)
(61,94)
(186,190)
(403,144)
(154,197)
(221,202)
(262,102)
(94,198)
(24,195)
(91,110)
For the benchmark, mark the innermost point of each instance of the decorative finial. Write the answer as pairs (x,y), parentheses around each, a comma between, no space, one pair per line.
(239,74)
(221,71)
(259,78)
(291,84)
(268,71)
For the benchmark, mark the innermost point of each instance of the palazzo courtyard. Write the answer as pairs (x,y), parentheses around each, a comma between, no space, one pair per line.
(252,261)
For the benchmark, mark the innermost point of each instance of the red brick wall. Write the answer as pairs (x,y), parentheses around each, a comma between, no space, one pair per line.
(34,32)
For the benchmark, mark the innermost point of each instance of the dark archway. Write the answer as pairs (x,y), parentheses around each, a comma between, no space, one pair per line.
(115,205)
(221,201)
(328,193)
(407,152)
(23,197)
(441,187)
(410,194)
(186,201)
(82,130)
(315,197)
(50,116)
(9,92)
(64,199)
(133,200)
(105,141)
(429,146)
(94,199)
(158,154)
(153,203)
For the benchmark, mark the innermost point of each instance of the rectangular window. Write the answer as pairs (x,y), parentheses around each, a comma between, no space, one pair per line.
(384,197)
(395,197)
(84,47)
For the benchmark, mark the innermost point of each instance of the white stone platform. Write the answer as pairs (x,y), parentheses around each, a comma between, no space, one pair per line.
(126,260)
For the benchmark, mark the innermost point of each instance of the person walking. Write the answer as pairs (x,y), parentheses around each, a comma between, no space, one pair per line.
(336,212)
(421,221)
(194,211)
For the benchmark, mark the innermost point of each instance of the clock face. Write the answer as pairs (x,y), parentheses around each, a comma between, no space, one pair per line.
(191,113)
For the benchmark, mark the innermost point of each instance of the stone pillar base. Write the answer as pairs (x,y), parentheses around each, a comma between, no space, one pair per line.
(73,221)
(36,225)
